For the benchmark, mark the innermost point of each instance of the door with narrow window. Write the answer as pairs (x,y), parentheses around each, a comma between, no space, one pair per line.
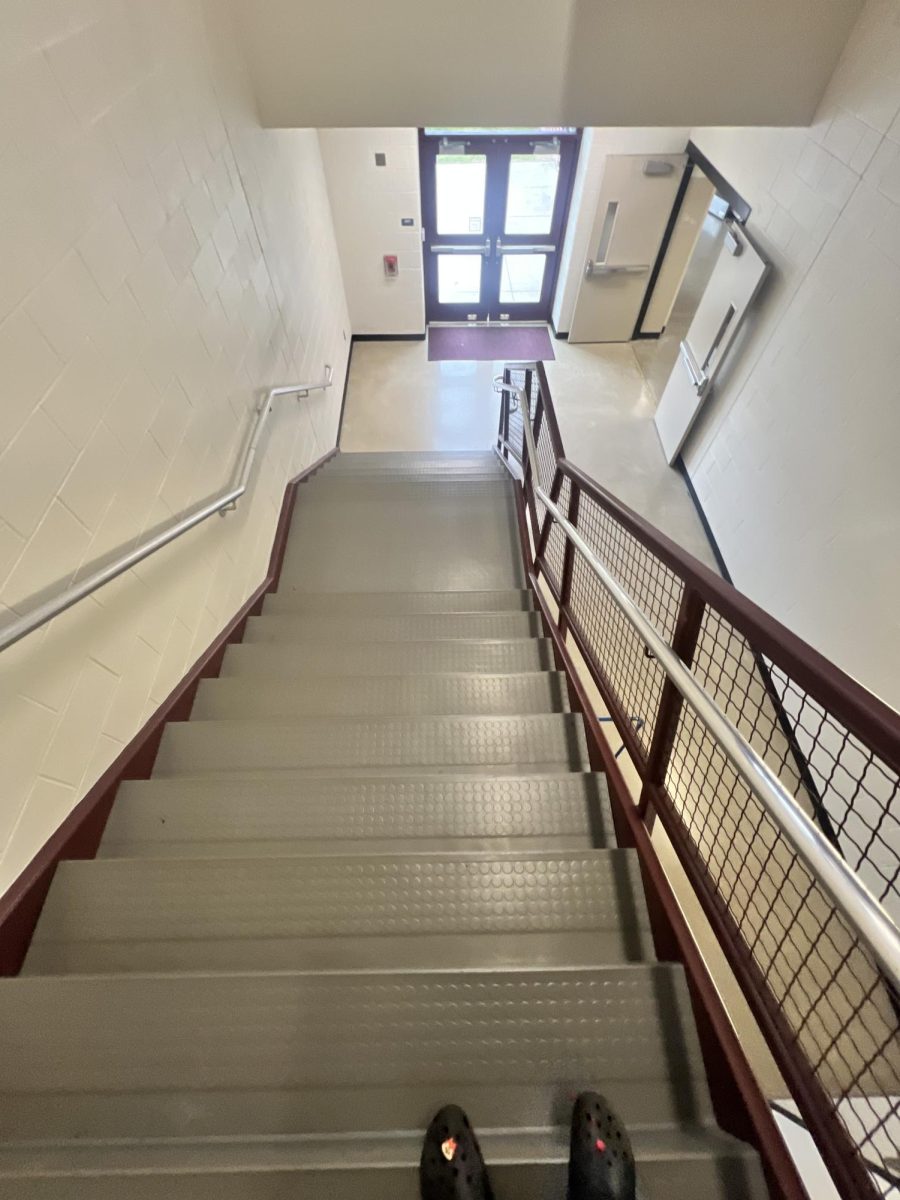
(493,215)
(637,194)
(736,278)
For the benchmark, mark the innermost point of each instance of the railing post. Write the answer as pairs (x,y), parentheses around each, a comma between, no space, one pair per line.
(684,643)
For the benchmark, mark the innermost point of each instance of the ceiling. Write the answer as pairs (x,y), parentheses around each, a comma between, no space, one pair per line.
(542,62)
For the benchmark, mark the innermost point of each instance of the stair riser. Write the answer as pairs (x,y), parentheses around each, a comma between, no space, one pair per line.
(275,848)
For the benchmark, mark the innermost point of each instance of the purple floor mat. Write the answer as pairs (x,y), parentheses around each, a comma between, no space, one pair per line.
(480,343)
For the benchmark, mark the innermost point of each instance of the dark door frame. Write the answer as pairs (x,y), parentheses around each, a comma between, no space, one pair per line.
(497,146)
(738,208)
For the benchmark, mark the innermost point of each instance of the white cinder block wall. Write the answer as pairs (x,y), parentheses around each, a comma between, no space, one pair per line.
(163,259)
(796,459)
(369,202)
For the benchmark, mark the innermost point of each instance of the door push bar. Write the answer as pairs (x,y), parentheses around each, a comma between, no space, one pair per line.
(699,378)
(484,249)
(593,269)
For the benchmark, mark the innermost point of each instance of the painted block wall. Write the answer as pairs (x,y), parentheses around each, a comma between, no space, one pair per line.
(796,458)
(368,203)
(163,260)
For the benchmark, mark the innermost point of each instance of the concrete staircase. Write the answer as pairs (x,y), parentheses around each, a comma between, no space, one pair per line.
(370,875)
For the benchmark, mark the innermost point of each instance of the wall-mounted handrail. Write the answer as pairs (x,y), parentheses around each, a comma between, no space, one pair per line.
(226,501)
(852,898)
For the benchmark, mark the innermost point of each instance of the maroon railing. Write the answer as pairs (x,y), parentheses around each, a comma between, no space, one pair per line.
(817,994)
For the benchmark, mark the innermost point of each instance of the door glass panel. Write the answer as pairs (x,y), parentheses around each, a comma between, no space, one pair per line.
(460,187)
(459,278)
(522,278)
(533,179)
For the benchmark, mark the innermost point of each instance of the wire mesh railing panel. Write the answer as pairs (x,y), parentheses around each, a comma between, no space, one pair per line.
(555,549)
(817,990)
(856,794)
(635,678)
(820,978)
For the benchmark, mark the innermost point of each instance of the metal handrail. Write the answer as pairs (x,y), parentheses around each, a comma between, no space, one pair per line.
(227,501)
(851,896)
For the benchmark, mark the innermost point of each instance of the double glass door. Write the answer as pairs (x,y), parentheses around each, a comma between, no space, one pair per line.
(493,212)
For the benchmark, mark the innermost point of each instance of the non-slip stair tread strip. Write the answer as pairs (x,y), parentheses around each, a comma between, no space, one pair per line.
(317,896)
(410,695)
(347,742)
(285,807)
(290,627)
(288,600)
(486,656)
(347,1151)
(177,1032)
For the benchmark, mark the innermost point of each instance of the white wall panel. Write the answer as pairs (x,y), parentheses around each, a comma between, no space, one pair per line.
(164,259)
(795,457)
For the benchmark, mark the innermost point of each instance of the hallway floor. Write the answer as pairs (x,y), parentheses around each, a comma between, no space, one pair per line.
(398,400)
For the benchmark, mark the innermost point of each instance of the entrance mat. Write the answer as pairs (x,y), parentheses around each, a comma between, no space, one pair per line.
(484,343)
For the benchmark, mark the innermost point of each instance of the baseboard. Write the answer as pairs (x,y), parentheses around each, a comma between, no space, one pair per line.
(389,337)
(340,428)
(707,528)
(80,833)
(560,337)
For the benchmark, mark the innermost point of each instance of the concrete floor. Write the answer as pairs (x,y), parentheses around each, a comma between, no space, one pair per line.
(398,400)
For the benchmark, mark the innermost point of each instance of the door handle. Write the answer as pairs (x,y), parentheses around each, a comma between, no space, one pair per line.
(593,269)
(484,249)
(520,248)
(699,378)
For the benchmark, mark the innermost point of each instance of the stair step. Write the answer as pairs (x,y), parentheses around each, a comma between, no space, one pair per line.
(197,1055)
(288,599)
(413,627)
(375,912)
(292,814)
(383,695)
(508,744)
(465,464)
(497,656)
(392,536)
(675,1162)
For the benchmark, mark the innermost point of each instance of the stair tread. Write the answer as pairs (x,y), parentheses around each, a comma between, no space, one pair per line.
(349,1151)
(346,742)
(489,656)
(435,537)
(423,910)
(290,809)
(301,627)
(447,694)
(314,1051)
(288,599)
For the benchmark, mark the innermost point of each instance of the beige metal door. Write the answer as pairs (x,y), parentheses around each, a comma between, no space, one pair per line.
(636,198)
(733,284)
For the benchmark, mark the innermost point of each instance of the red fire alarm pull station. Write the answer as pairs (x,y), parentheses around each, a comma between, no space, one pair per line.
(391,266)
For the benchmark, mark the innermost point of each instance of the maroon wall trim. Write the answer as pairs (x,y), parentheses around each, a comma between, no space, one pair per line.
(81,831)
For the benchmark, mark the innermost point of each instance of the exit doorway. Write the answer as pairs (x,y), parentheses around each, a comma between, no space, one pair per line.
(494,208)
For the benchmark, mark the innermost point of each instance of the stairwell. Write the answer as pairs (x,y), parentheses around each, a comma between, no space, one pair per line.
(372,874)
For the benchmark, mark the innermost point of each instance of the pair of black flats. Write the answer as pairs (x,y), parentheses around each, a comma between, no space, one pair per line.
(601,1162)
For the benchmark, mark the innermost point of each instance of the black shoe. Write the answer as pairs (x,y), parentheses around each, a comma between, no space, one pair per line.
(451,1167)
(601,1162)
